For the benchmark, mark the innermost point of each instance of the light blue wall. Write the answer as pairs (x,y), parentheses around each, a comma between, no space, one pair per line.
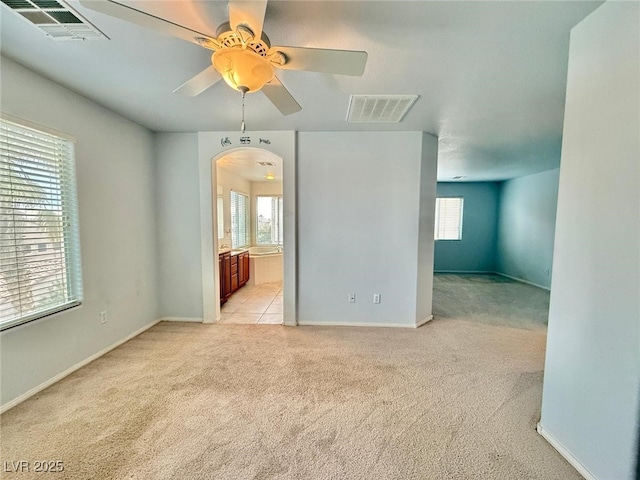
(591,386)
(476,251)
(363,231)
(115,169)
(178,217)
(526,227)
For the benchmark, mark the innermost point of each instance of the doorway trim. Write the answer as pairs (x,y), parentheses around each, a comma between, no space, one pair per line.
(211,147)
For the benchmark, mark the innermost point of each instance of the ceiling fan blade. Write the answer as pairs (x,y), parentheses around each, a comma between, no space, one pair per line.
(198,84)
(125,12)
(342,62)
(280,97)
(250,13)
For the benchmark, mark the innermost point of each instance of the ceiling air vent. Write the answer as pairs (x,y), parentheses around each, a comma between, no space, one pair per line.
(379,108)
(55,18)
(266,164)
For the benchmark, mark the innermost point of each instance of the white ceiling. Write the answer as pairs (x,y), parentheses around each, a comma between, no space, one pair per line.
(244,162)
(490,75)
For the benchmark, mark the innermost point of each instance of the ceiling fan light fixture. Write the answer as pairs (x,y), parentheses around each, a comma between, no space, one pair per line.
(242,69)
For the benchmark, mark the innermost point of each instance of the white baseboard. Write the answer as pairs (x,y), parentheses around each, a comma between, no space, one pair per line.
(69,371)
(181,319)
(523,281)
(494,273)
(479,272)
(582,470)
(354,324)
(424,320)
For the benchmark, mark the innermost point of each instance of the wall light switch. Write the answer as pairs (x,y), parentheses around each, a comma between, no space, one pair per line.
(351,298)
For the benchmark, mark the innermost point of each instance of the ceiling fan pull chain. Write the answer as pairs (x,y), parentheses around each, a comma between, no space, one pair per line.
(242,124)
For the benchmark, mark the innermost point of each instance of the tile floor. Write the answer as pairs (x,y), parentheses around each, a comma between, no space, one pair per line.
(254,304)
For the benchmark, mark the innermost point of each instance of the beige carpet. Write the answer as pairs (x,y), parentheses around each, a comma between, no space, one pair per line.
(451,400)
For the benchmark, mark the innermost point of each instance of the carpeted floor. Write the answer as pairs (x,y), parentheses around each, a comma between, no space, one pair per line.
(491,299)
(454,399)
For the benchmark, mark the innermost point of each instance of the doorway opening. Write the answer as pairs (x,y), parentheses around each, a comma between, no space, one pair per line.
(249,217)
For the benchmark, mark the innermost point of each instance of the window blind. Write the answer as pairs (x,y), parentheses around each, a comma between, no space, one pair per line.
(239,220)
(40,270)
(448,224)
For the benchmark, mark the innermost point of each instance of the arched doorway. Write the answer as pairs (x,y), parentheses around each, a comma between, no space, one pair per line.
(211,147)
(249,221)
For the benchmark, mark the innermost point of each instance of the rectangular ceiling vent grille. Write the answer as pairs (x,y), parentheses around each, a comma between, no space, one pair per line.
(266,164)
(379,108)
(55,18)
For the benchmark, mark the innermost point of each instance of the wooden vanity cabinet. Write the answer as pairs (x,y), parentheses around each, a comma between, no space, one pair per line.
(234,273)
(243,268)
(225,276)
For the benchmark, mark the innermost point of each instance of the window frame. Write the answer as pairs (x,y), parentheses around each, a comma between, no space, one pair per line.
(437,218)
(279,220)
(47,154)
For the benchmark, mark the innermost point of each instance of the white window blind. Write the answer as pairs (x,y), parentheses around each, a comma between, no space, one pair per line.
(269,216)
(239,220)
(40,271)
(448,225)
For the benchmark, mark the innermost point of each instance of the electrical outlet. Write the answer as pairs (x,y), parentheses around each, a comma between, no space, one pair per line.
(547,272)
(103,316)
(376,298)
(351,298)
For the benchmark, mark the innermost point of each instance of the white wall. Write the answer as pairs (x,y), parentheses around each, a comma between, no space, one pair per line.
(592,369)
(427,212)
(359,197)
(115,175)
(526,227)
(178,214)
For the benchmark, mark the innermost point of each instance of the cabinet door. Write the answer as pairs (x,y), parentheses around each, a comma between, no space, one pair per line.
(221,279)
(246,267)
(234,273)
(241,279)
(226,267)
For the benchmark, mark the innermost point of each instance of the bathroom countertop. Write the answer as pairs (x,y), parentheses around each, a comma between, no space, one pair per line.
(233,252)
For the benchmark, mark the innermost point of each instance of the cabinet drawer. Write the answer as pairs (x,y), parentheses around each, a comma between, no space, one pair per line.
(234,268)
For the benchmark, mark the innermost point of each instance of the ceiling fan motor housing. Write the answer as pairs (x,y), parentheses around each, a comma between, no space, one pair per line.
(244,36)
(243,69)
(242,60)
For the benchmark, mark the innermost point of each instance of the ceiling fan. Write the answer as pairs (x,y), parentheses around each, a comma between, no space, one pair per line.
(242,53)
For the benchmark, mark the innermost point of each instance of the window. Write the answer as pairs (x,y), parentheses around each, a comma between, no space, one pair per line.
(239,220)
(448,225)
(37,210)
(269,221)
